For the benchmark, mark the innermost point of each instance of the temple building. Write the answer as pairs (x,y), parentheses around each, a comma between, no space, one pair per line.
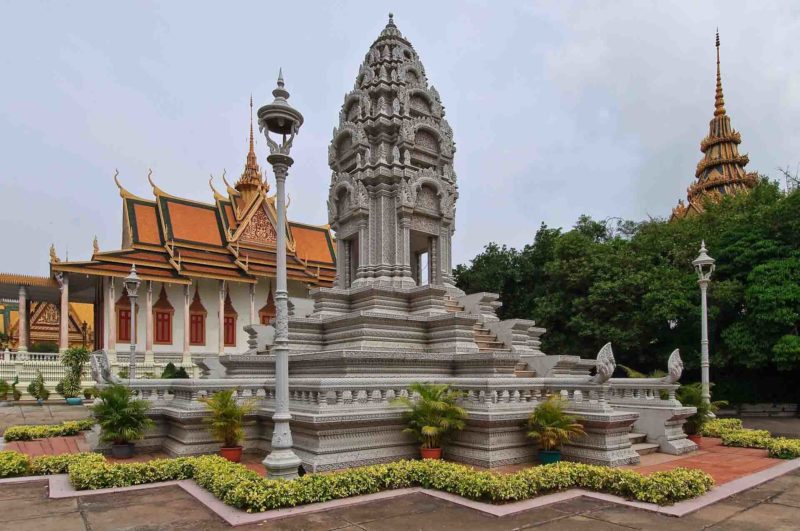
(45,320)
(721,172)
(207,270)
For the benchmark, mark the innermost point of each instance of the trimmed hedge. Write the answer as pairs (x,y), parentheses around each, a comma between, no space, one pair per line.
(14,464)
(238,486)
(783,448)
(716,427)
(29,432)
(733,434)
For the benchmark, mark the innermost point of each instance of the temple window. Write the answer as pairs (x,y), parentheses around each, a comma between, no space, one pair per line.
(267,313)
(123,309)
(229,322)
(197,321)
(162,317)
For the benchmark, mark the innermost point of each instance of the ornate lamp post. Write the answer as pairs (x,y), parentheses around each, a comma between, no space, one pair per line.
(704,265)
(132,283)
(280,118)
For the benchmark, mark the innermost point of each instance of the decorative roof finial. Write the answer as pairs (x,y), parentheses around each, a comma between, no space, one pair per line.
(95,245)
(719,101)
(252,149)
(391,19)
(280,76)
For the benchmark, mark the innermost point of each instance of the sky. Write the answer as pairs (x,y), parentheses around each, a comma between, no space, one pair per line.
(558,109)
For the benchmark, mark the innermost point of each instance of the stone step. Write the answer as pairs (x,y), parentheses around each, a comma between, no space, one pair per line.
(637,437)
(524,374)
(645,448)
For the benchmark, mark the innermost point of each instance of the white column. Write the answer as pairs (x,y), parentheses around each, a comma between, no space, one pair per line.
(149,358)
(221,323)
(112,322)
(253,318)
(186,359)
(704,363)
(63,318)
(22,329)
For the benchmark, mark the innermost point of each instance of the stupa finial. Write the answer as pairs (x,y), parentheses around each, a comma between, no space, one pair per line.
(719,101)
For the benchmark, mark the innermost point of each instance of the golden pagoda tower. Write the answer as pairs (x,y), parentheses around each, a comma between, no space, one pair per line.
(721,172)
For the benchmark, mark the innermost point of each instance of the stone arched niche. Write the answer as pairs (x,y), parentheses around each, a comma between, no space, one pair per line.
(428,199)
(426,140)
(420,103)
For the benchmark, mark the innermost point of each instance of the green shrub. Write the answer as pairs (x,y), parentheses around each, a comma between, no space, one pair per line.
(551,426)
(37,388)
(238,486)
(43,346)
(45,465)
(227,417)
(30,432)
(716,427)
(434,414)
(90,392)
(782,448)
(745,438)
(121,418)
(13,464)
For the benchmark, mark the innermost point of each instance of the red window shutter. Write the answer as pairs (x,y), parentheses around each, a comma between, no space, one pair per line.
(163,327)
(197,329)
(123,325)
(230,331)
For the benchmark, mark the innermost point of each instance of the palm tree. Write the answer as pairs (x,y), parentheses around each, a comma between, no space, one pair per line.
(121,418)
(551,427)
(692,395)
(226,417)
(434,414)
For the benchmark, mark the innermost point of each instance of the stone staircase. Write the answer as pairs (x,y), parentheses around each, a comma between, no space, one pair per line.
(484,338)
(640,445)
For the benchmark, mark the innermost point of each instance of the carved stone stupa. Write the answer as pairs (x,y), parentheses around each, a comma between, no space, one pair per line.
(393,190)
(385,325)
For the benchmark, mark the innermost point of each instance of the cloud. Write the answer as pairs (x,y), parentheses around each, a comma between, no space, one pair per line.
(558,109)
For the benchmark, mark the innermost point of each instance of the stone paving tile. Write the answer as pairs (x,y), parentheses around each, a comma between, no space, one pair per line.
(580,505)
(412,503)
(580,522)
(763,516)
(61,522)
(34,507)
(155,497)
(167,515)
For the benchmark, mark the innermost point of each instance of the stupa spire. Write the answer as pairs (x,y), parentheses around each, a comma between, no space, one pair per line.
(721,171)
(719,101)
(252,179)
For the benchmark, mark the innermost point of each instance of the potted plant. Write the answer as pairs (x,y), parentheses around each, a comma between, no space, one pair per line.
(552,427)
(432,416)
(122,419)
(90,392)
(16,394)
(37,389)
(692,395)
(225,422)
(69,387)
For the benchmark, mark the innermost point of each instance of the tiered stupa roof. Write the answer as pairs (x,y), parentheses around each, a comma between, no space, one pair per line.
(721,171)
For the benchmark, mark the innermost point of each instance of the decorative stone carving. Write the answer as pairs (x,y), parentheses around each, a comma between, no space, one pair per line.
(605,365)
(674,368)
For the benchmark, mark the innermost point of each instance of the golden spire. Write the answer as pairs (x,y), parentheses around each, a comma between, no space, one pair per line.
(719,101)
(252,179)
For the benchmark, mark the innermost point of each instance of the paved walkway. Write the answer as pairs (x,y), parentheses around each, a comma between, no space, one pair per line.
(51,446)
(774,505)
(49,413)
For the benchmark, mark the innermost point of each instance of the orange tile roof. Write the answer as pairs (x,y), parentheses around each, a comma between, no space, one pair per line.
(27,280)
(192,222)
(145,227)
(313,244)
